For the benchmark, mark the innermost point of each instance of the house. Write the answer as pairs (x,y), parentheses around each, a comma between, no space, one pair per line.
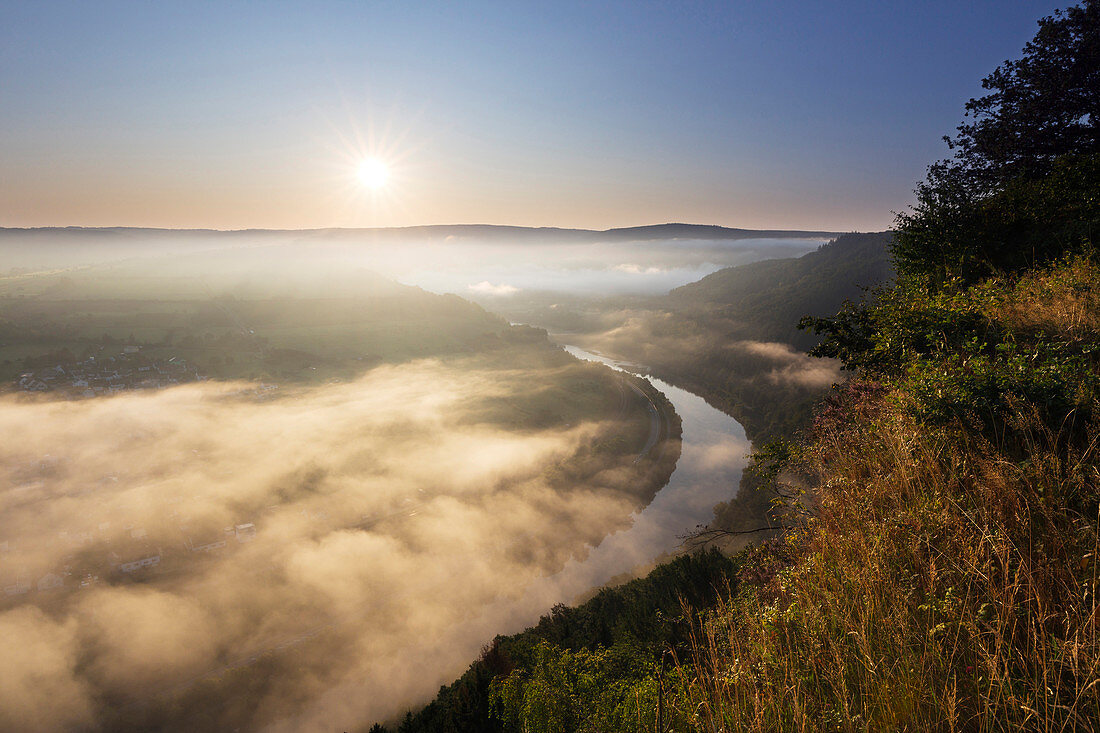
(50,581)
(246,532)
(139,563)
(18,587)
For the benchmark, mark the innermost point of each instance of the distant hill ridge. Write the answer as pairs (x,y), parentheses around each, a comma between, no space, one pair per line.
(493,231)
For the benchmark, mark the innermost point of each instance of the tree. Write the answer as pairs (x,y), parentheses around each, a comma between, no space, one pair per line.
(1025,164)
(1041,107)
(952,234)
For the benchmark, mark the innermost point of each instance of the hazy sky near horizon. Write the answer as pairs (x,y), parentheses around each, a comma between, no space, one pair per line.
(785,114)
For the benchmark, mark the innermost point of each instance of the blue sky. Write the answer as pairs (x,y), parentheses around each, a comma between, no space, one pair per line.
(236,115)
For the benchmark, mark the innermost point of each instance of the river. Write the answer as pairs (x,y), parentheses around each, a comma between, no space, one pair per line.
(713,455)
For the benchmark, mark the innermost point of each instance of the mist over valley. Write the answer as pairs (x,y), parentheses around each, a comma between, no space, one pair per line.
(255,471)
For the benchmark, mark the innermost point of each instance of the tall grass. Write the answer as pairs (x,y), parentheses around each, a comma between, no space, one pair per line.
(944,585)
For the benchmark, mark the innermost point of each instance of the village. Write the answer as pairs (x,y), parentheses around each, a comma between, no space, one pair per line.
(102,375)
(102,552)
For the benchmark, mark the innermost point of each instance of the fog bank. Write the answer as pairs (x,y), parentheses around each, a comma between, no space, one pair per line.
(324,556)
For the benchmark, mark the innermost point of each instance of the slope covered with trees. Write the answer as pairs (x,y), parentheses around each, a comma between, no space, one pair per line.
(764,300)
(631,628)
(733,337)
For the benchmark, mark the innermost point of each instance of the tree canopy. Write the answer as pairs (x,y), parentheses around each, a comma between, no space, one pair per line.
(1041,106)
(1021,187)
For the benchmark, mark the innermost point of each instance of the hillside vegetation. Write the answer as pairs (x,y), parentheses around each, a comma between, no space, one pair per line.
(764,300)
(617,639)
(938,568)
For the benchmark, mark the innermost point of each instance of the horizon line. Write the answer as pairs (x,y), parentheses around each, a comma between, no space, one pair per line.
(420,226)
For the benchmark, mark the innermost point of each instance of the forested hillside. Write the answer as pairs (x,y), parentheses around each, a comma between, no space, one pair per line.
(765,300)
(937,568)
(631,628)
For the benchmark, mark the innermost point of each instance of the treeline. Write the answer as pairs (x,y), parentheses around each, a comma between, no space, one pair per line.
(635,624)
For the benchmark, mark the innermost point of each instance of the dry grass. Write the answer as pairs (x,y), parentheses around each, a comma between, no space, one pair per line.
(948,580)
(1064,300)
(943,586)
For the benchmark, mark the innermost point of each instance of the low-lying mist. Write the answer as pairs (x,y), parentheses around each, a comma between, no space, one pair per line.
(316,556)
(324,555)
(471,261)
(479,269)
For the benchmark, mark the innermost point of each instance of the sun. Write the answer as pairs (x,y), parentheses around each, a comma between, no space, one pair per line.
(373,173)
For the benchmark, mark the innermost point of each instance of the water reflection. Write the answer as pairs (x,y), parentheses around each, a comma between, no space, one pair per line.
(714,453)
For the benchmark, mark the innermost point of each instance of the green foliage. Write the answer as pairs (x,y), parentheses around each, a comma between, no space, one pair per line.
(1041,106)
(565,691)
(962,350)
(955,233)
(953,508)
(848,336)
(1021,188)
(621,631)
